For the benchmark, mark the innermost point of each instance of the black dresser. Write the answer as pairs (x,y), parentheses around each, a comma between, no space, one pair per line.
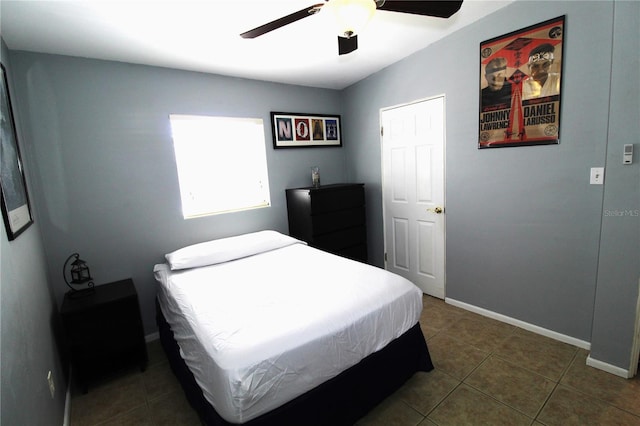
(330,217)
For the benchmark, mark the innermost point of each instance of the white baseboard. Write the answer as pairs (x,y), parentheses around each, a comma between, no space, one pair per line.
(67,403)
(525,325)
(626,374)
(635,349)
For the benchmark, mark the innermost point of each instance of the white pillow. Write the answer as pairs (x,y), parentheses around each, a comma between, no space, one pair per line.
(226,249)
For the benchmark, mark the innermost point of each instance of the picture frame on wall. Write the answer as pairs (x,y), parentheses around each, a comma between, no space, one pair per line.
(16,210)
(299,130)
(521,86)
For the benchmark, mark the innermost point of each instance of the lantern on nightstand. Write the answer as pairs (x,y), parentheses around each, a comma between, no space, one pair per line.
(80,274)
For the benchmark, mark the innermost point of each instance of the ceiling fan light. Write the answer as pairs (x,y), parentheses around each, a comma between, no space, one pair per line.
(351,16)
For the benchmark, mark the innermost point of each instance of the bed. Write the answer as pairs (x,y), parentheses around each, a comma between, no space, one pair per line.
(262,329)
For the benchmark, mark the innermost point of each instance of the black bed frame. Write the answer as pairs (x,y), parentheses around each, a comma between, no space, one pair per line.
(339,401)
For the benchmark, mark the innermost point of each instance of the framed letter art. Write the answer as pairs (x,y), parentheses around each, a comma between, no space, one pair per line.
(520,87)
(16,211)
(292,130)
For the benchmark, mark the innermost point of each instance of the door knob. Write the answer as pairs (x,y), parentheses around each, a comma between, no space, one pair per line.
(436,210)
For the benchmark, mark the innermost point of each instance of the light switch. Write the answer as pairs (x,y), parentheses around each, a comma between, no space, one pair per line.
(628,154)
(597,176)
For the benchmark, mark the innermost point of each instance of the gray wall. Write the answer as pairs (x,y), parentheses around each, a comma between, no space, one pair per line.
(619,262)
(105,174)
(523,224)
(28,316)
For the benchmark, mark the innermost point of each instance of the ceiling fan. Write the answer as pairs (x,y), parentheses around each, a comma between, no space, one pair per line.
(352,15)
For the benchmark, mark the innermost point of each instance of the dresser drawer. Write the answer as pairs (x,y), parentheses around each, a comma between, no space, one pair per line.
(339,199)
(334,221)
(336,241)
(104,321)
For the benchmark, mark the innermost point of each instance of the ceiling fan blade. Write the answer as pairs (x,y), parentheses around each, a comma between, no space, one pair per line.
(347,45)
(281,22)
(439,9)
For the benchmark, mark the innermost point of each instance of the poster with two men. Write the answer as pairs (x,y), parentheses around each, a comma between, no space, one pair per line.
(520,81)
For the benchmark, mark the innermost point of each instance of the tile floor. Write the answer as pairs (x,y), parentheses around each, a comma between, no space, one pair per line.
(487,373)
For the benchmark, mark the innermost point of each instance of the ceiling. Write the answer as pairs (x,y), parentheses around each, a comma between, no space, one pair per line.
(204,36)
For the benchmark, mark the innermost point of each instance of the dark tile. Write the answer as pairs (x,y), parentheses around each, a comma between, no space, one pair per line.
(567,407)
(537,353)
(140,416)
(514,386)
(173,409)
(108,401)
(427,331)
(391,412)
(438,315)
(159,380)
(453,356)
(424,391)
(483,333)
(623,393)
(467,406)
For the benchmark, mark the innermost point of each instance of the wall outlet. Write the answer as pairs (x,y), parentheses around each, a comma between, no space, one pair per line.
(52,385)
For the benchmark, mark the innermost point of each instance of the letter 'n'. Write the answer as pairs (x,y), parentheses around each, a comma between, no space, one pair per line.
(284,129)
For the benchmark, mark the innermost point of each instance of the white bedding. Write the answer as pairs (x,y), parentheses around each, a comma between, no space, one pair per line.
(261,330)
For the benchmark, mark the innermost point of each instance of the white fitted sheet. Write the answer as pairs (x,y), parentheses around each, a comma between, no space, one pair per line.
(259,331)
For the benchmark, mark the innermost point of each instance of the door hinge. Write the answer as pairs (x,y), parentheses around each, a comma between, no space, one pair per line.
(385,257)
(381,131)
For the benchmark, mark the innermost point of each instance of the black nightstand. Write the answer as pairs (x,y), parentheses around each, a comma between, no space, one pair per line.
(104,331)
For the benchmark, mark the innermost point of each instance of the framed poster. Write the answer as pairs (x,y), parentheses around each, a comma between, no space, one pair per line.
(296,130)
(520,86)
(16,211)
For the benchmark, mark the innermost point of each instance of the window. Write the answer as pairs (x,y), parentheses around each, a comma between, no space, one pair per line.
(222,164)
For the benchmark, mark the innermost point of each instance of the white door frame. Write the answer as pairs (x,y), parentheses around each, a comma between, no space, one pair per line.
(444,172)
(635,349)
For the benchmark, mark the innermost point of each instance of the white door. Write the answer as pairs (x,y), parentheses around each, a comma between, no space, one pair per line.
(413,193)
